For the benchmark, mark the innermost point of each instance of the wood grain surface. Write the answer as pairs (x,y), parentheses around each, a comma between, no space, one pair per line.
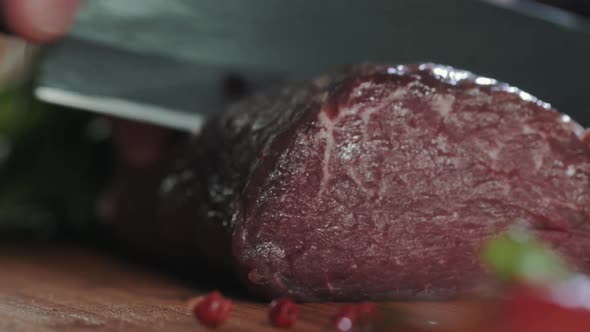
(57,288)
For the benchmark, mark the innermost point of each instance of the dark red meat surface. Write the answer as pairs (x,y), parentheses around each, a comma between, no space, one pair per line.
(380,182)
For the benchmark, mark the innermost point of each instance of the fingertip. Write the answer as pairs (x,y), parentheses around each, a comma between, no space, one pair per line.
(39,20)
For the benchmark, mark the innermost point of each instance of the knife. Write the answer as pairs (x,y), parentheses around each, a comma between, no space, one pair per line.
(174,63)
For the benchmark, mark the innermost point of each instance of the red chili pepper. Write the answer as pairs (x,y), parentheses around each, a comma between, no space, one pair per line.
(538,310)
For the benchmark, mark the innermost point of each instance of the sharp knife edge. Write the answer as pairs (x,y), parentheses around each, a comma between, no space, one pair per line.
(168,117)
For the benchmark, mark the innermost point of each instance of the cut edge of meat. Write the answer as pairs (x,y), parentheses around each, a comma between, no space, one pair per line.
(263,265)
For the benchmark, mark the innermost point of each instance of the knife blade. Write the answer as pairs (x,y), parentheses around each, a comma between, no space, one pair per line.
(167,62)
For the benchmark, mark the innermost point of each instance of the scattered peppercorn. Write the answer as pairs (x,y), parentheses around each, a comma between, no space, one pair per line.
(213,309)
(283,312)
(345,318)
(366,311)
(352,316)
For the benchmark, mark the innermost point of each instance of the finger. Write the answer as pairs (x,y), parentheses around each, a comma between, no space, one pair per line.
(39,20)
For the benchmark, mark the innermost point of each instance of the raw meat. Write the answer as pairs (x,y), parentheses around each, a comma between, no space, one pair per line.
(378,182)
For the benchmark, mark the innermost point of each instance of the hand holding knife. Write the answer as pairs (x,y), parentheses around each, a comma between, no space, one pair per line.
(44,21)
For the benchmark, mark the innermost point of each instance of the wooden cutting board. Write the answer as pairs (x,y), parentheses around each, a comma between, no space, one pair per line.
(57,288)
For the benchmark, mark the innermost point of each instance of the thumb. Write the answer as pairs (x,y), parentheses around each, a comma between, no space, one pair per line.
(39,20)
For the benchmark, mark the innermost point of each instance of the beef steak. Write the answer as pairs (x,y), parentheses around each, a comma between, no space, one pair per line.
(378,182)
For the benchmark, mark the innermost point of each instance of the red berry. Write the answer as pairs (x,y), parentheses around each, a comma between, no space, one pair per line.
(283,313)
(213,309)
